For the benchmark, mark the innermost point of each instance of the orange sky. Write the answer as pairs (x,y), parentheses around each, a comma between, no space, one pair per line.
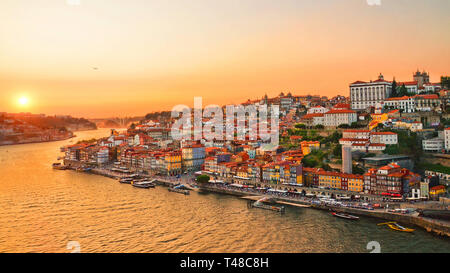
(152,55)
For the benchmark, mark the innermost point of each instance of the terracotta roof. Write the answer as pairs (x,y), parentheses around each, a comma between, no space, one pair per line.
(383,133)
(428,96)
(313,115)
(399,98)
(356,131)
(340,112)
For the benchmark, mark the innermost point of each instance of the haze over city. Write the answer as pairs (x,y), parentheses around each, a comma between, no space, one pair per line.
(114,58)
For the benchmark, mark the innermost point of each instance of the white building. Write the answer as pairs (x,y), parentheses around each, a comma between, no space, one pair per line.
(405,104)
(318,110)
(447,138)
(367,94)
(432,87)
(433,145)
(103,155)
(411,87)
(387,138)
(335,118)
(355,133)
(313,119)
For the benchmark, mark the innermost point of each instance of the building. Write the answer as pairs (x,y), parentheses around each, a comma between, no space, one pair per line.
(313,119)
(421,78)
(347,159)
(411,87)
(308,146)
(193,157)
(355,133)
(317,110)
(103,156)
(433,145)
(447,139)
(405,104)
(390,181)
(366,94)
(352,182)
(334,118)
(427,102)
(387,138)
(367,141)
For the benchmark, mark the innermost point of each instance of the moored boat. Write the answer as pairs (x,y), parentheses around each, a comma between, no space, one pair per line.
(59,166)
(345,216)
(397,227)
(260,205)
(126,180)
(143,184)
(178,190)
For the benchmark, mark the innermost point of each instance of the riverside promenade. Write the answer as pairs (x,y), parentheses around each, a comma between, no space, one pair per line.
(439,227)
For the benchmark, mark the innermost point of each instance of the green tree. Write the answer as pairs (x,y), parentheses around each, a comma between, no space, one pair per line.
(300,126)
(402,91)
(337,151)
(394,89)
(445,82)
(358,170)
(203,178)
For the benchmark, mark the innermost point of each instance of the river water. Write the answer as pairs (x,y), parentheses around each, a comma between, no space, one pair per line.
(42,210)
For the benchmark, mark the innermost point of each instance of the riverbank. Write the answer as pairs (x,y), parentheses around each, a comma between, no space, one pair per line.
(36,141)
(439,227)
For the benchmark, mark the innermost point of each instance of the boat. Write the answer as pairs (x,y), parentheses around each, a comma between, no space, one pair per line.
(267,204)
(260,205)
(126,180)
(59,166)
(397,227)
(345,216)
(179,190)
(143,185)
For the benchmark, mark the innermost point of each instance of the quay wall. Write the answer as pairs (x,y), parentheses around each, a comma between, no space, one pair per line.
(434,226)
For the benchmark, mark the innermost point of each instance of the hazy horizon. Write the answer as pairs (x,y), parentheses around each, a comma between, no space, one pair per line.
(108,58)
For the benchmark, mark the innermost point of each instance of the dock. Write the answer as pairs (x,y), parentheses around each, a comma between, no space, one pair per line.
(256,198)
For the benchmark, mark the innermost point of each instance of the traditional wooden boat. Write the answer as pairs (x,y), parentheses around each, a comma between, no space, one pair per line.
(178,190)
(126,180)
(59,166)
(143,185)
(345,216)
(397,227)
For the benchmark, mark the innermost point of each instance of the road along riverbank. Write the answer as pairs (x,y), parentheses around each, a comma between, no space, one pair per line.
(439,227)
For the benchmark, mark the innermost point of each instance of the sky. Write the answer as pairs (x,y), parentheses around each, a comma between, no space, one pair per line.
(104,58)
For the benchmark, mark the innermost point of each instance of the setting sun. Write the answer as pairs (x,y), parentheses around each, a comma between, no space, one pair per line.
(24,101)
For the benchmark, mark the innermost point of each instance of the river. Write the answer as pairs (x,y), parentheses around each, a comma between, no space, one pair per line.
(42,209)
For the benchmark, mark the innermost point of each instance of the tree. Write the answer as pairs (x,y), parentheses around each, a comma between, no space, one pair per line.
(445,82)
(319,127)
(203,178)
(394,89)
(337,151)
(300,126)
(358,170)
(392,150)
(402,91)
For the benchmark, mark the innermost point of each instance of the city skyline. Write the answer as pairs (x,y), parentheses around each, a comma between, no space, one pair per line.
(144,56)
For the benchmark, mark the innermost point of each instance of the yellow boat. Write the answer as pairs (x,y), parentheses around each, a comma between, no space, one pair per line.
(397,227)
